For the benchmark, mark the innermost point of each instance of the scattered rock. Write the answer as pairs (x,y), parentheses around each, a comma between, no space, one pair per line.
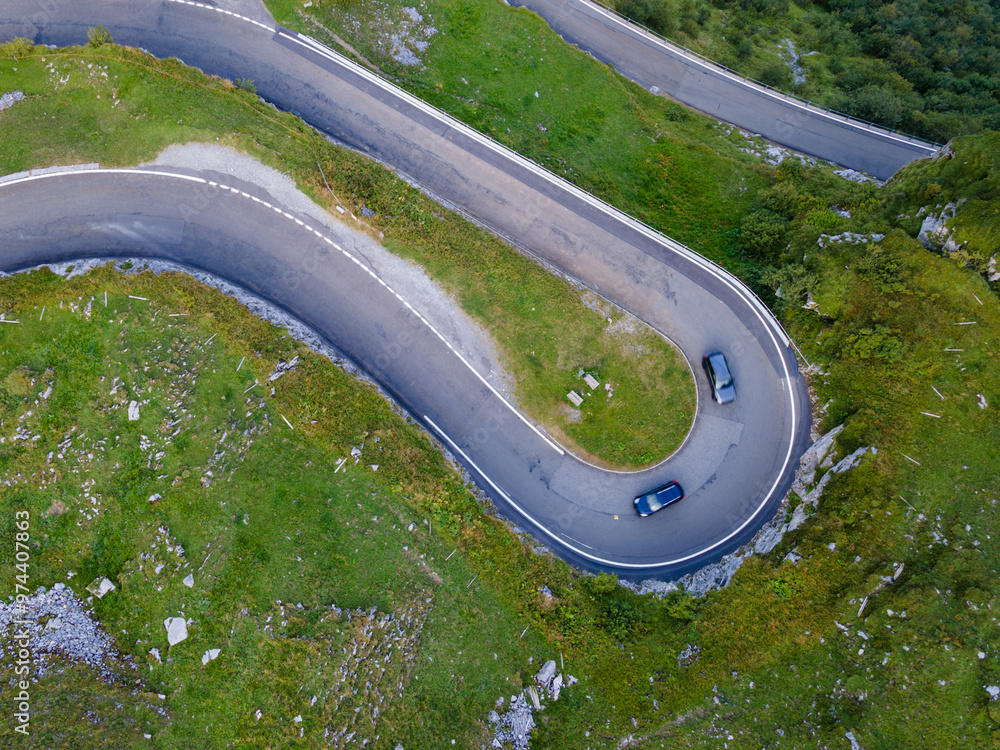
(56,622)
(282,367)
(548,598)
(189,580)
(101,586)
(177,630)
(718,575)
(792,58)
(557,686)
(850,237)
(688,656)
(546,674)
(811,459)
(934,232)
(514,727)
(133,411)
(209,655)
(9,100)
(855,176)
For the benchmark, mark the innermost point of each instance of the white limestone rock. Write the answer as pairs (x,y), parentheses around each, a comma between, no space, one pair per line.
(177,630)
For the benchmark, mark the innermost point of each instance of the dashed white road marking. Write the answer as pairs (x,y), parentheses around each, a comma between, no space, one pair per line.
(369,271)
(226,12)
(758,308)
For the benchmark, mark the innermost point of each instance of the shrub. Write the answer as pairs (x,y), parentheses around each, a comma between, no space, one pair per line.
(98,36)
(874,103)
(762,233)
(776,74)
(791,283)
(783,199)
(883,269)
(19,46)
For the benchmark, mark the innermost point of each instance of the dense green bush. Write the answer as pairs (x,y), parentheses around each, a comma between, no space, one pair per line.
(762,233)
(929,67)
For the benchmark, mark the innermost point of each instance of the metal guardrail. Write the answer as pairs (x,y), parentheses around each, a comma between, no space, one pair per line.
(755,82)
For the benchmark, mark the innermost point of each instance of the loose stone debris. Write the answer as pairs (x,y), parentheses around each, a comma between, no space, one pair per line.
(282,367)
(9,99)
(58,625)
(512,729)
(849,237)
(100,587)
(211,654)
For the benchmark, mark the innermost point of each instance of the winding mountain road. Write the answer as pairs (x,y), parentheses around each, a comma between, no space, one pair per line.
(660,66)
(738,460)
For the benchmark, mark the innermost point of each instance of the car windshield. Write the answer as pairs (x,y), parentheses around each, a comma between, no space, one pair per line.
(722,376)
(654,502)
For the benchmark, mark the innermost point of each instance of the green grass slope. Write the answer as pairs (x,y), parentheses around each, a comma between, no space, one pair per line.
(118,107)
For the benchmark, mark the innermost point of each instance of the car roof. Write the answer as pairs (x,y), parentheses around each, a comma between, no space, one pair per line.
(720,366)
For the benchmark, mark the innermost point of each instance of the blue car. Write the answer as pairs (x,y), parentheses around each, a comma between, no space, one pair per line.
(723,388)
(668,494)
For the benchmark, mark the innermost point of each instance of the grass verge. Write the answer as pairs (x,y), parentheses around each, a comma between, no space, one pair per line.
(118,107)
(504,72)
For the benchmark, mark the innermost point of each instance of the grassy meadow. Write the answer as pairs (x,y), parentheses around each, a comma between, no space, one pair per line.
(116,107)
(875,620)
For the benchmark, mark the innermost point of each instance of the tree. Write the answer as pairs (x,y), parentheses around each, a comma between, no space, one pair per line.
(98,36)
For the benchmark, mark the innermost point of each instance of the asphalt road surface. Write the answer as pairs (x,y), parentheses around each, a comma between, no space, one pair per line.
(654,63)
(738,460)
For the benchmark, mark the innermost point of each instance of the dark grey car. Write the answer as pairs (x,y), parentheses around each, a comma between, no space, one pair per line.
(723,388)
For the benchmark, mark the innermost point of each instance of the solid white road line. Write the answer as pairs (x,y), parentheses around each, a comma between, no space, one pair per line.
(358,262)
(711,68)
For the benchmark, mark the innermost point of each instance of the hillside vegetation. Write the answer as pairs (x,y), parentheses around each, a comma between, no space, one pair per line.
(926,67)
(116,107)
(875,620)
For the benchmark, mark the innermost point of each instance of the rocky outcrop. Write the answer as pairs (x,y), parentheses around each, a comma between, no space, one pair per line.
(934,232)
(10,99)
(850,237)
(512,729)
(819,455)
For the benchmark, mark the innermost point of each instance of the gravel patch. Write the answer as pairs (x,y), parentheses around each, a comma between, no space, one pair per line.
(55,623)
(443,312)
(9,100)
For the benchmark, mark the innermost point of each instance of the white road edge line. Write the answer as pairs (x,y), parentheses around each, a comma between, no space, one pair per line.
(766,318)
(369,271)
(531,166)
(708,67)
(751,300)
